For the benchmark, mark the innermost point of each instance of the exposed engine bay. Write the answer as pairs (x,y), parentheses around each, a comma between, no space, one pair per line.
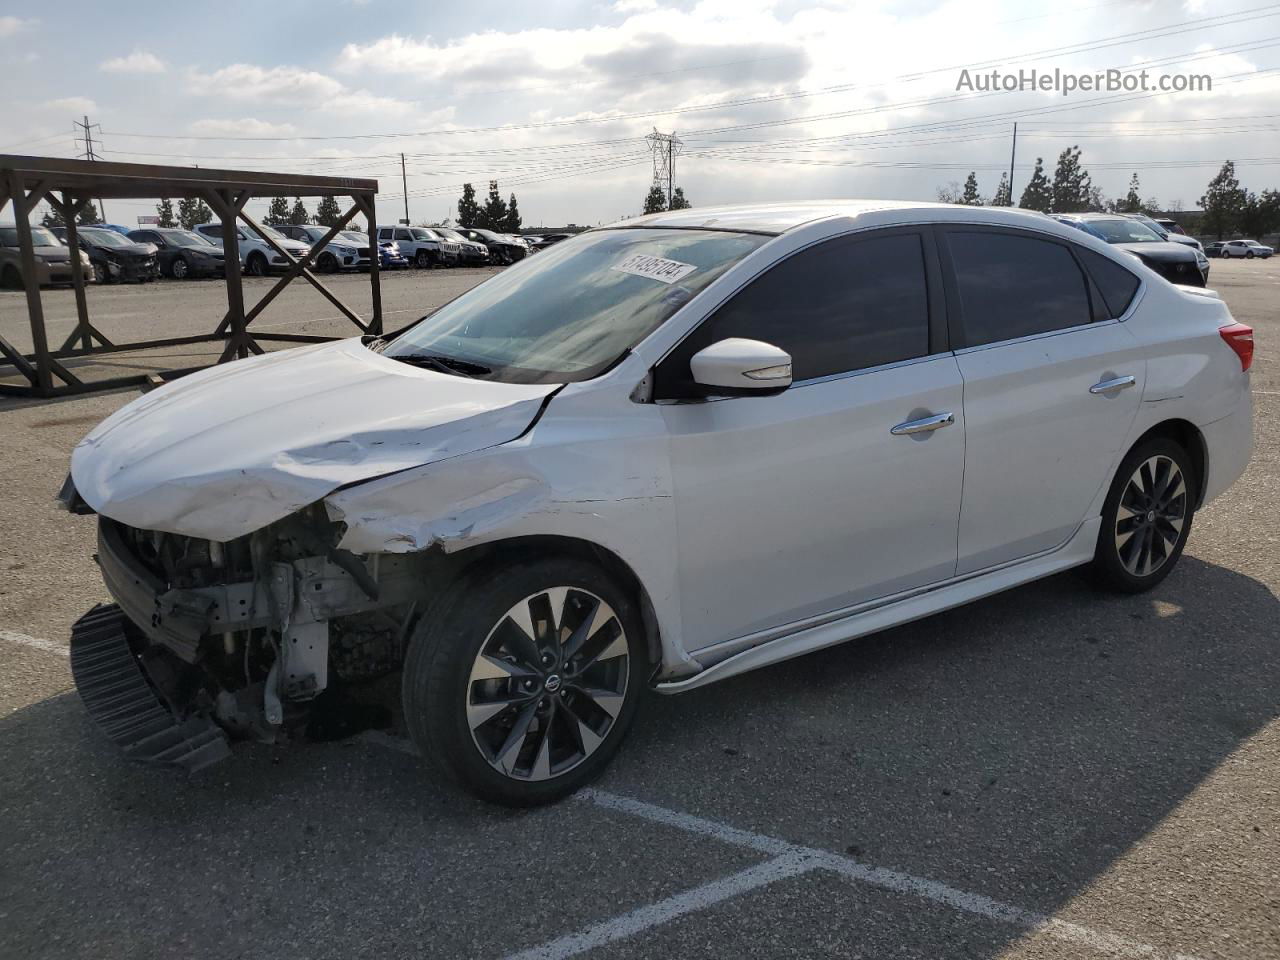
(250,632)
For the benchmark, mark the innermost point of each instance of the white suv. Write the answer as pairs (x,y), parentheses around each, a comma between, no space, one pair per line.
(1245,248)
(256,255)
(668,452)
(419,245)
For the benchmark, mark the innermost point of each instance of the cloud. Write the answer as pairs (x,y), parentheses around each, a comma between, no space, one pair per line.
(634,6)
(81,105)
(11,25)
(137,62)
(291,86)
(243,127)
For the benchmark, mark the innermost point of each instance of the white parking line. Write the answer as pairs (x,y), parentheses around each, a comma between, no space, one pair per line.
(788,860)
(48,646)
(643,918)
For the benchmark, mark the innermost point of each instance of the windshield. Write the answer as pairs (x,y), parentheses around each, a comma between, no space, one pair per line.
(451,235)
(1123,231)
(273,234)
(40,237)
(421,233)
(185,238)
(350,236)
(105,238)
(570,313)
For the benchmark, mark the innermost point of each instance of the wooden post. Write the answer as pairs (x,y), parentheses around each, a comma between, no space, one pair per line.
(70,210)
(35,309)
(365,201)
(227,210)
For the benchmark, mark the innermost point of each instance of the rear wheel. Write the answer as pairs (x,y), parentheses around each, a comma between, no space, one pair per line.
(1146,518)
(1248,254)
(179,269)
(328,263)
(522,684)
(421,260)
(256,265)
(11,279)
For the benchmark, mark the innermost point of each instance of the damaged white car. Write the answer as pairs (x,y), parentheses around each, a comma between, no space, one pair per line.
(655,455)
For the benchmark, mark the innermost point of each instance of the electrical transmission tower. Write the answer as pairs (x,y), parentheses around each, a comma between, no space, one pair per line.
(90,153)
(664,147)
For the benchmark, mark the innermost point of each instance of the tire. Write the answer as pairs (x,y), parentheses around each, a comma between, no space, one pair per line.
(179,268)
(327,263)
(1141,539)
(256,265)
(467,656)
(1248,254)
(11,279)
(422,260)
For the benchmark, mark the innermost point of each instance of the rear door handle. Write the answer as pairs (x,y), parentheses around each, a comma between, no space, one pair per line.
(1110,386)
(924,425)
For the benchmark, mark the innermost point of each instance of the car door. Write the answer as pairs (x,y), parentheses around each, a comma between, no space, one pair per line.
(1052,383)
(845,487)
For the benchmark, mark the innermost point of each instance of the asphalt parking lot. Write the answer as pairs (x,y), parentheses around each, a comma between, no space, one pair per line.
(1047,773)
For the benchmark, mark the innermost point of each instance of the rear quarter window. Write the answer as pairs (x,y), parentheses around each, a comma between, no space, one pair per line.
(1116,284)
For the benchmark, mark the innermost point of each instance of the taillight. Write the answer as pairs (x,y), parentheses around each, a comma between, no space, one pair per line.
(1239,337)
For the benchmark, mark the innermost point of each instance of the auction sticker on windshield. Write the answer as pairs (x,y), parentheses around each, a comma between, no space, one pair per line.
(655,268)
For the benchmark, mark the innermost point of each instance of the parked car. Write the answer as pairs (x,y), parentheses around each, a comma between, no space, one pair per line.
(420,251)
(182,253)
(118,228)
(1245,248)
(469,251)
(389,258)
(257,257)
(53,259)
(1213,249)
(1167,234)
(667,452)
(502,248)
(1170,226)
(342,251)
(1176,262)
(114,256)
(548,240)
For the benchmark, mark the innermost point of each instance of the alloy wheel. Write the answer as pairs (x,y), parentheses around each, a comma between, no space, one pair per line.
(548,683)
(1150,516)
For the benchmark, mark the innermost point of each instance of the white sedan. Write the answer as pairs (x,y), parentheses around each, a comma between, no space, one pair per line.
(658,455)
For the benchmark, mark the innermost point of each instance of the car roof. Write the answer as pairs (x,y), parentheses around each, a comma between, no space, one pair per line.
(777,218)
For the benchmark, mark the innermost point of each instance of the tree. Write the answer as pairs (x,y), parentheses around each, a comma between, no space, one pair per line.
(678,201)
(494,212)
(1223,201)
(1037,195)
(970,196)
(164,209)
(1072,188)
(51,218)
(1132,202)
(1003,196)
(1098,202)
(1260,214)
(512,223)
(192,211)
(328,213)
(468,209)
(950,192)
(89,215)
(278,212)
(655,201)
(298,215)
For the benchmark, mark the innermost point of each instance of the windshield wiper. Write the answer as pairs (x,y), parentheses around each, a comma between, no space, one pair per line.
(453,365)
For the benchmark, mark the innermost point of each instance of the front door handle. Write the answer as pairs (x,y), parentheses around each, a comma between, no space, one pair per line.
(924,425)
(1110,386)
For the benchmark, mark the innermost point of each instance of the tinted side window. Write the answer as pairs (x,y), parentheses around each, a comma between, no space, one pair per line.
(1015,286)
(403,235)
(212,230)
(846,305)
(1116,284)
(384,234)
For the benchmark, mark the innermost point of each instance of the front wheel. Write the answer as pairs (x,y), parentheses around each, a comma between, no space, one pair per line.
(256,265)
(422,260)
(1248,254)
(521,685)
(179,269)
(1146,518)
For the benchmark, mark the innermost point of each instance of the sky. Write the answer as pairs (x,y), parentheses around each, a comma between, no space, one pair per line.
(772,99)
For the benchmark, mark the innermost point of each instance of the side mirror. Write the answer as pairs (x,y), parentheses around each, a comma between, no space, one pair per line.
(739,368)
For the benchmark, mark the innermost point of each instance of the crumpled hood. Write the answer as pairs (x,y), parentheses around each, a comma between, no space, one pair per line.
(1165,251)
(226,451)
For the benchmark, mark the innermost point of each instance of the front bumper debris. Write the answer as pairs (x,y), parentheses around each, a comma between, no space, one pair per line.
(117,694)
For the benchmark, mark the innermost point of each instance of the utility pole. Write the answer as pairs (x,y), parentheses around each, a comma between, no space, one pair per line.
(404,182)
(665,147)
(91,154)
(1012,154)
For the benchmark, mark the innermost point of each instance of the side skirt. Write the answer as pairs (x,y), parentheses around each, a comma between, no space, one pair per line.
(881,615)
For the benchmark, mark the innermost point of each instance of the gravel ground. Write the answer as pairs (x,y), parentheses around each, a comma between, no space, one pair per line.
(1113,763)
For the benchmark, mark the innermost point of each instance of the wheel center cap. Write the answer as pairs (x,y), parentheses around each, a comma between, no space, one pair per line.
(552,683)
(1151,516)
